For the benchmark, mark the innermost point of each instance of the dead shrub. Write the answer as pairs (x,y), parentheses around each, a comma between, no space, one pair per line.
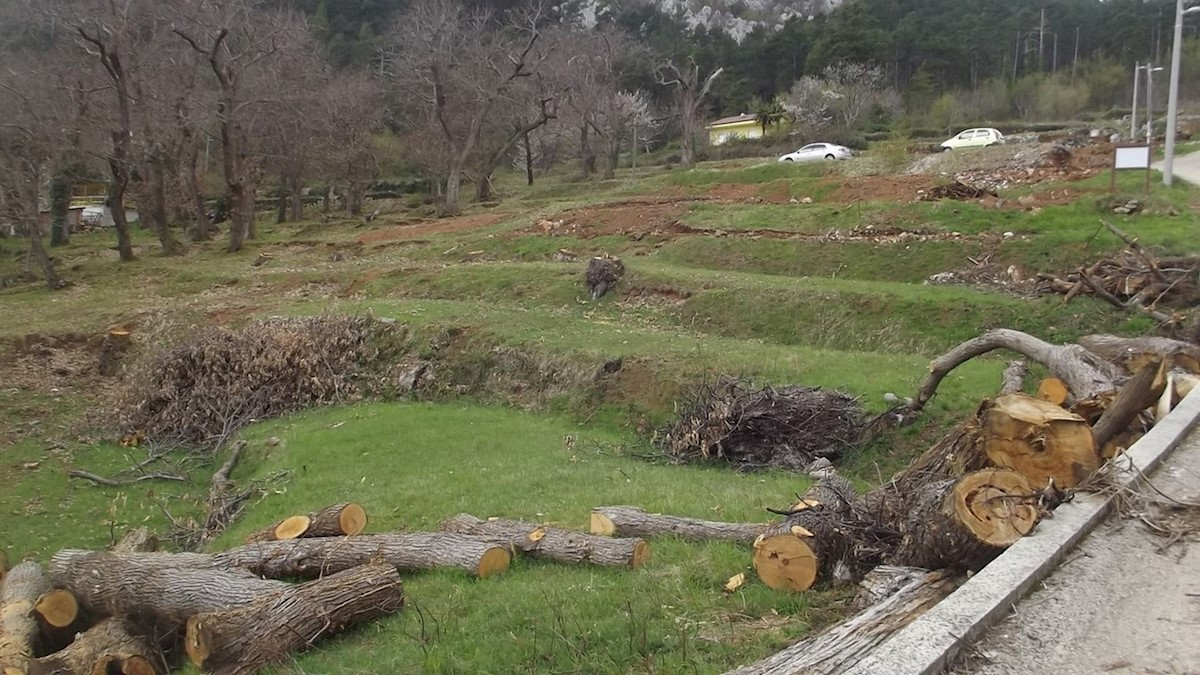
(210,385)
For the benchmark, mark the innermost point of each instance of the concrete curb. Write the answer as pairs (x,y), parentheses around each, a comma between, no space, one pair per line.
(928,645)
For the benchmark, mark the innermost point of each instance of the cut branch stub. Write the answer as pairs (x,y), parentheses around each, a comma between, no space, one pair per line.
(1053,390)
(57,607)
(1039,440)
(964,523)
(630,521)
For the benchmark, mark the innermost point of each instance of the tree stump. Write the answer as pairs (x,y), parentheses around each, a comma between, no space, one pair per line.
(602,274)
(243,640)
(630,521)
(111,646)
(19,631)
(964,523)
(333,521)
(553,543)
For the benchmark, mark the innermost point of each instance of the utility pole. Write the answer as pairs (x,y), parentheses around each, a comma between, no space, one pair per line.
(1042,42)
(1173,95)
(1133,127)
(1016,56)
(1054,68)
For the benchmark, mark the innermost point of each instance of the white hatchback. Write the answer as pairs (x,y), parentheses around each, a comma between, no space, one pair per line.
(974,138)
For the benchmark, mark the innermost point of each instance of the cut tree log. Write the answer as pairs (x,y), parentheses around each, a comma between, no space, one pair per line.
(1132,354)
(958,452)
(1039,440)
(243,640)
(1139,393)
(812,541)
(112,646)
(333,521)
(1084,373)
(964,523)
(19,631)
(552,543)
(1053,390)
(159,585)
(137,540)
(310,558)
(630,521)
(844,644)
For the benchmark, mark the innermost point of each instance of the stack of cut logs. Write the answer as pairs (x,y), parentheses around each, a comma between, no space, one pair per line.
(136,611)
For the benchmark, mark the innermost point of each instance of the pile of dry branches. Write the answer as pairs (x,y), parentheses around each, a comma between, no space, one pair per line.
(1134,280)
(204,389)
(786,427)
(956,190)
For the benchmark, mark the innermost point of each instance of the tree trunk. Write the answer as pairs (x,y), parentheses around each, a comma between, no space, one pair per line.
(60,209)
(844,644)
(157,189)
(553,543)
(309,558)
(244,640)
(19,631)
(167,587)
(354,198)
(37,250)
(297,200)
(1012,380)
(630,521)
(964,523)
(1038,440)
(116,204)
(112,646)
(453,195)
(528,159)
(1139,393)
(333,521)
(612,156)
(202,229)
(281,203)
(687,122)
(587,158)
(1085,373)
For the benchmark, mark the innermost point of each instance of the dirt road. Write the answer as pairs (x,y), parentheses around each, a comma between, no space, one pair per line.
(1116,605)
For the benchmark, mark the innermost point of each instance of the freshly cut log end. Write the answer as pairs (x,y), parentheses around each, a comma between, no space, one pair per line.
(113,646)
(995,506)
(785,561)
(292,527)
(1039,440)
(494,561)
(353,519)
(1053,390)
(630,521)
(58,607)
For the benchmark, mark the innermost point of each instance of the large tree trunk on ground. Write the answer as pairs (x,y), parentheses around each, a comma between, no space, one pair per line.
(112,646)
(243,640)
(1039,440)
(630,521)
(1138,394)
(812,542)
(1132,354)
(844,644)
(553,543)
(1085,373)
(159,585)
(959,452)
(964,523)
(19,631)
(332,521)
(309,558)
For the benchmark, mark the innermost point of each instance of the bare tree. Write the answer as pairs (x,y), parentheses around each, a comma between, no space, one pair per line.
(690,91)
(458,66)
(31,140)
(238,42)
(352,108)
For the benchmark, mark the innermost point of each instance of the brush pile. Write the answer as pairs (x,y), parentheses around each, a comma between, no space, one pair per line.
(206,388)
(956,190)
(781,428)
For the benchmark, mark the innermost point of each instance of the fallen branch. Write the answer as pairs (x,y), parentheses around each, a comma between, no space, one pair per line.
(1012,380)
(553,543)
(630,521)
(109,482)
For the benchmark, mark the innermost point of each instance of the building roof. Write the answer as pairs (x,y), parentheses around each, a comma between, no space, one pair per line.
(735,119)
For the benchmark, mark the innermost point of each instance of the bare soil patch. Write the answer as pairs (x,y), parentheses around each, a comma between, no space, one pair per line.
(432,227)
(881,188)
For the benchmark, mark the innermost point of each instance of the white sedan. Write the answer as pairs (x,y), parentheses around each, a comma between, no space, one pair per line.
(817,151)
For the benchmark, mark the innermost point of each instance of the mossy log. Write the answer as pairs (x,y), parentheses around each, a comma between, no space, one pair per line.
(553,543)
(168,587)
(333,521)
(243,640)
(114,645)
(23,585)
(964,523)
(630,521)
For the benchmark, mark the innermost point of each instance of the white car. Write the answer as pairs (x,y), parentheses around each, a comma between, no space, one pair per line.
(817,151)
(974,138)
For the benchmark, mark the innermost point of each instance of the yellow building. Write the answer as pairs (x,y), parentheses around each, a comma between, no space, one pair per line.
(729,128)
